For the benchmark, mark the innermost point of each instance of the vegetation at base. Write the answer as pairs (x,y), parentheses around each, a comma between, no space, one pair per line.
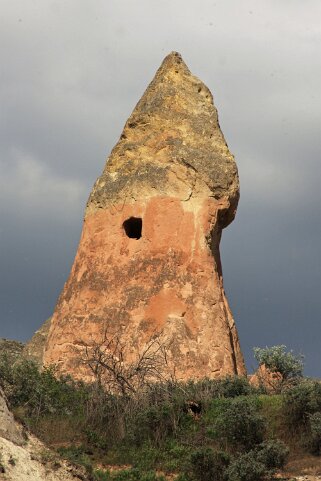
(132,474)
(302,401)
(314,441)
(223,430)
(259,463)
(207,464)
(236,423)
(278,359)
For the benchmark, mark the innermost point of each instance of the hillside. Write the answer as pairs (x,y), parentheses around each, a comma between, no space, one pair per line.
(196,431)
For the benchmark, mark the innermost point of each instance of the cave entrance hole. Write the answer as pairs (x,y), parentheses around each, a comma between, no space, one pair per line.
(133,227)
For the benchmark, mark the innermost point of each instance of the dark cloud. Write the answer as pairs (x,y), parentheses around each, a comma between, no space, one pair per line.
(73,71)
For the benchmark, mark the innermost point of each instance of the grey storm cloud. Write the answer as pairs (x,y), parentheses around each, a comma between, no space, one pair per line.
(71,74)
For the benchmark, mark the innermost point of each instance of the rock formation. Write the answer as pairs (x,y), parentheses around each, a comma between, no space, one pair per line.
(31,351)
(148,261)
(34,348)
(8,428)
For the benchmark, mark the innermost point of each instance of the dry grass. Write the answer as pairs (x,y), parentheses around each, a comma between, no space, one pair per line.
(304,464)
(57,432)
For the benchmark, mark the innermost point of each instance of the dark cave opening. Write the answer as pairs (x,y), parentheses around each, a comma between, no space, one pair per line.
(133,227)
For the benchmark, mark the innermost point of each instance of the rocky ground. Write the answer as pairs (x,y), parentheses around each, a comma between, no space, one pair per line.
(308,477)
(34,462)
(24,458)
(304,468)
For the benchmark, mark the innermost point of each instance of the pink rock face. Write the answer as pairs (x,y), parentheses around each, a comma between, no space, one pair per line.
(148,260)
(269,380)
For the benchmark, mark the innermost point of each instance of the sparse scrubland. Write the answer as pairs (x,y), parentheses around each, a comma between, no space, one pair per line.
(221,430)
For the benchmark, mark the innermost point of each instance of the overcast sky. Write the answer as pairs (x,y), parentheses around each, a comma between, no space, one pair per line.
(71,73)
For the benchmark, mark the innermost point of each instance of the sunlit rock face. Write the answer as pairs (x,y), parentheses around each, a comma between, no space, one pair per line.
(148,261)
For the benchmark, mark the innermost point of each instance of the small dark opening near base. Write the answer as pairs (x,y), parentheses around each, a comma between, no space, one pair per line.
(133,227)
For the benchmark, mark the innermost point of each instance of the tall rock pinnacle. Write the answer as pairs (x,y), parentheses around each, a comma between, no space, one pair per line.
(148,260)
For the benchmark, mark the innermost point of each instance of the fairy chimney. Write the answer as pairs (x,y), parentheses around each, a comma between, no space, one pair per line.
(148,261)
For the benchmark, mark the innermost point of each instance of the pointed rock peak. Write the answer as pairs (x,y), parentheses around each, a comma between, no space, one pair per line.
(174,61)
(173,127)
(174,72)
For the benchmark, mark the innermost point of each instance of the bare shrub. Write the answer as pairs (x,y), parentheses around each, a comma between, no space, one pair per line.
(108,363)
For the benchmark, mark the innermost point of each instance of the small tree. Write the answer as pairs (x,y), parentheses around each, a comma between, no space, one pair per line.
(108,362)
(286,366)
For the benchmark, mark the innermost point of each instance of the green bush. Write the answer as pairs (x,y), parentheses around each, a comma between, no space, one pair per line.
(204,390)
(145,457)
(278,359)
(19,381)
(40,392)
(245,468)
(208,465)
(238,423)
(162,412)
(127,475)
(259,463)
(152,423)
(77,455)
(302,401)
(233,386)
(314,441)
(273,454)
(176,456)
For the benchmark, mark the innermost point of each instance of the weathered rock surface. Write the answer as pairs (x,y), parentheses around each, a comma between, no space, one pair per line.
(8,428)
(34,348)
(269,380)
(34,462)
(24,458)
(31,350)
(148,261)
